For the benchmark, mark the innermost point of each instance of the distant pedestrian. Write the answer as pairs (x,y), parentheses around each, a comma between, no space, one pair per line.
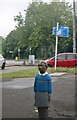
(43,90)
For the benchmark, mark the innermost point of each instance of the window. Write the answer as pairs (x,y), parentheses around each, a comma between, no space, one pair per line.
(70,56)
(76,56)
(1,56)
(61,57)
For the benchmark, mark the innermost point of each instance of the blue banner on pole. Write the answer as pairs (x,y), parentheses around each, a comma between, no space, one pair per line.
(63,31)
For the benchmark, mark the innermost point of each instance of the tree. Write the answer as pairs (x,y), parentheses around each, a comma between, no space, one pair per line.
(1,43)
(19,19)
(40,20)
(35,30)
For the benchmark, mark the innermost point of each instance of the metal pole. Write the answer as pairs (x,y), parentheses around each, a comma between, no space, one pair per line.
(19,53)
(30,50)
(74,29)
(56,45)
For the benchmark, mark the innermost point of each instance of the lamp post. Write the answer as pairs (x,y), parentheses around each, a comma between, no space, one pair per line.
(11,52)
(74,29)
(19,53)
(30,50)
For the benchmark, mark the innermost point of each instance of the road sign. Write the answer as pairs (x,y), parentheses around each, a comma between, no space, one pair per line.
(63,31)
(54,30)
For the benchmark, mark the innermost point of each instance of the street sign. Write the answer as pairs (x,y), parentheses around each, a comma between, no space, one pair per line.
(63,31)
(54,30)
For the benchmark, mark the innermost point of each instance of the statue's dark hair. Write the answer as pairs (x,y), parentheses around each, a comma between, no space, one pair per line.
(45,63)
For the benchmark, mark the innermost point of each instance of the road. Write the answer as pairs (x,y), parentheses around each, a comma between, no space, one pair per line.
(18,98)
(13,65)
(15,68)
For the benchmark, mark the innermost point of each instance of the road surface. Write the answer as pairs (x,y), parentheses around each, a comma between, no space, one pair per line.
(15,68)
(18,98)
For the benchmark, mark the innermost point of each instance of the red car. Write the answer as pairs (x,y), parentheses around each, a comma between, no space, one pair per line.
(63,60)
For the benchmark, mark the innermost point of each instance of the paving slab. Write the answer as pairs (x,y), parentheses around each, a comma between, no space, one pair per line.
(57,74)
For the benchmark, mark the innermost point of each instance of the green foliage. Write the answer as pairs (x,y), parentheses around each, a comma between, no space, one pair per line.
(20,74)
(0,44)
(2,40)
(20,20)
(35,30)
(31,72)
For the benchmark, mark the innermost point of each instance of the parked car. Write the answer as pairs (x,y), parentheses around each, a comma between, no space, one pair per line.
(2,62)
(63,60)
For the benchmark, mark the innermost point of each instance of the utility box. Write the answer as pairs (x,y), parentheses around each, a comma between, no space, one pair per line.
(31,59)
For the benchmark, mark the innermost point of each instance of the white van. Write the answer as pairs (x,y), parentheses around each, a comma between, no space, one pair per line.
(2,62)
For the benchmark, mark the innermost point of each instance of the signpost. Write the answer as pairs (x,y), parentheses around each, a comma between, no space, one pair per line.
(61,31)
(56,44)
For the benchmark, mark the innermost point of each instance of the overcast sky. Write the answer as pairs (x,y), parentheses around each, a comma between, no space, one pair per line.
(9,9)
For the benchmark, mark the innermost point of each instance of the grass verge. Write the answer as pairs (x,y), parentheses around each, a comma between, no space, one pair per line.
(33,71)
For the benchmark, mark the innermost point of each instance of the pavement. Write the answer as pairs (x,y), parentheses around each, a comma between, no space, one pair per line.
(19,63)
(57,74)
(18,98)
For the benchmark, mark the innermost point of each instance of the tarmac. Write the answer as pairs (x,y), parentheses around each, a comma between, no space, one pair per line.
(18,98)
(19,102)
